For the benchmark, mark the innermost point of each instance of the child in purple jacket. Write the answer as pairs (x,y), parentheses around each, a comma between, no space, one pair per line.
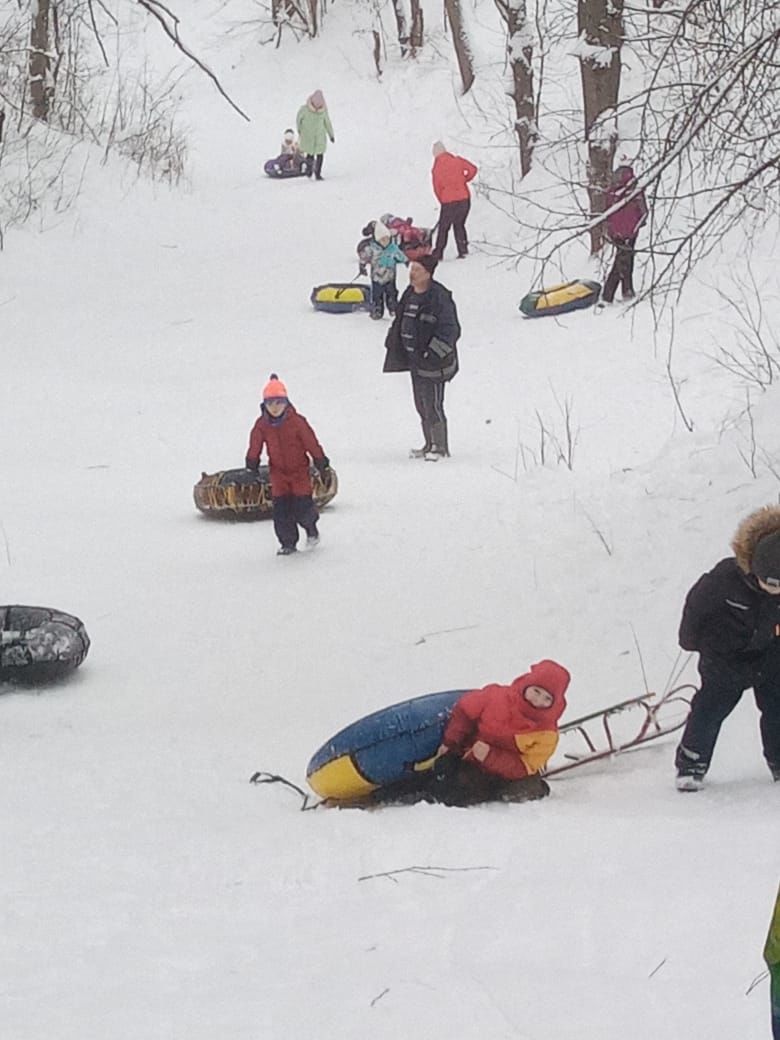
(622,229)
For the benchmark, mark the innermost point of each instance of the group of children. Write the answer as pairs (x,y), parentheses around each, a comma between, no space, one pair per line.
(388,242)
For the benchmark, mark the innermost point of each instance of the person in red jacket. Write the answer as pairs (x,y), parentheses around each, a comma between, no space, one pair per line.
(451,175)
(500,738)
(622,229)
(289,441)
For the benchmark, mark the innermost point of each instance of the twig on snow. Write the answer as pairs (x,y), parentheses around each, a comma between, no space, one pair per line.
(437,872)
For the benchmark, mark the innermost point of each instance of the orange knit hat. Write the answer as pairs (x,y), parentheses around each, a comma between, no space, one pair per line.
(274,388)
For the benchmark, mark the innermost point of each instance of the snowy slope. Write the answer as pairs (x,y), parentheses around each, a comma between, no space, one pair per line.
(150,890)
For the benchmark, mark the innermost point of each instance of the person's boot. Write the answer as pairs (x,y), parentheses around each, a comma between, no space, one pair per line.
(691,770)
(529,789)
(439,440)
(420,453)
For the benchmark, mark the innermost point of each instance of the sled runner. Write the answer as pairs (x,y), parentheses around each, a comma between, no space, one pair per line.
(560,299)
(599,735)
(38,644)
(341,297)
(245,494)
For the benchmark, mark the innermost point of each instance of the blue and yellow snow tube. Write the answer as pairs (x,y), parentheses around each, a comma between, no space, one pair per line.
(341,297)
(381,748)
(560,299)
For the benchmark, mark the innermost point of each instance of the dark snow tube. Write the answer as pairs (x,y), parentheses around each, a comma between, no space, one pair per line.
(38,644)
(560,299)
(382,748)
(341,297)
(275,169)
(243,494)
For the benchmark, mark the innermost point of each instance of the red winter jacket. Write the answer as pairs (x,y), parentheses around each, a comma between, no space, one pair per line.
(451,175)
(522,738)
(287,442)
(625,222)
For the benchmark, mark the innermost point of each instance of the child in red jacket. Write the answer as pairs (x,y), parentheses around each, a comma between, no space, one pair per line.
(500,738)
(289,441)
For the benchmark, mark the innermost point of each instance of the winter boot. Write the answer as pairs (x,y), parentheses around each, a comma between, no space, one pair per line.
(775,771)
(286,550)
(529,789)
(690,769)
(420,453)
(439,439)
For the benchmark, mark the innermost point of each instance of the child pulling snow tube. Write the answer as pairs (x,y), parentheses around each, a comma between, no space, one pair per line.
(243,494)
(382,748)
(341,297)
(560,299)
(38,644)
(282,167)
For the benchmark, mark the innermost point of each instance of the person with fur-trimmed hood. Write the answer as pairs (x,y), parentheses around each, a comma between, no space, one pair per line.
(732,618)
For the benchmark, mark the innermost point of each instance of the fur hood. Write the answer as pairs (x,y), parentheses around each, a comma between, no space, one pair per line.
(751,530)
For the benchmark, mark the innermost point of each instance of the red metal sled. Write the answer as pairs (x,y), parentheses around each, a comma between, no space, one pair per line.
(607,743)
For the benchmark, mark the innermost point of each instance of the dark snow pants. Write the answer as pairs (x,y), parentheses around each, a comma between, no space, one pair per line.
(453,215)
(314,165)
(622,272)
(429,402)
(291,510)
(383,293)
(723,681)
(462,784)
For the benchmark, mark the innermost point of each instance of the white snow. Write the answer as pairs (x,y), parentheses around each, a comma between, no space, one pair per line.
(151,892)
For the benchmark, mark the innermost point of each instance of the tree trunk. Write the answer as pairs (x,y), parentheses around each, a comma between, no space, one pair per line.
(402,25)
(417,37)
(40,91)
(461,43)
(519,50)
(600,26)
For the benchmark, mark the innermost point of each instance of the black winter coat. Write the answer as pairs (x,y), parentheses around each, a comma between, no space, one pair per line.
(437,320)
(727,614)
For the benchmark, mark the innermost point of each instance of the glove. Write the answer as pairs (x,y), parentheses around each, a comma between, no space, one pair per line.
(362,269)
(323,468)
(445,767)
(252,464)
(333,140)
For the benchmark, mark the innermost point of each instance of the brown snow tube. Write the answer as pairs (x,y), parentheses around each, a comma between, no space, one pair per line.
(243,494)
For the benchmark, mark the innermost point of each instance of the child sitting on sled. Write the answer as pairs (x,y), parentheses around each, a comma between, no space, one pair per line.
(380,253)
(289,441)
(495,745)
(290,157)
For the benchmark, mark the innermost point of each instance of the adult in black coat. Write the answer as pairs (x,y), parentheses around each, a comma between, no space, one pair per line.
(732,617)
(423,340)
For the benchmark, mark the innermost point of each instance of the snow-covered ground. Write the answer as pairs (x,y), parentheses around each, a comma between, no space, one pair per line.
(150,890)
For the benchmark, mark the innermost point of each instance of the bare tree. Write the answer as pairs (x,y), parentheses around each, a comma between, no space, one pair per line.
(40,60)
(519,51)
(600,25)
(704,139)
(461,43)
